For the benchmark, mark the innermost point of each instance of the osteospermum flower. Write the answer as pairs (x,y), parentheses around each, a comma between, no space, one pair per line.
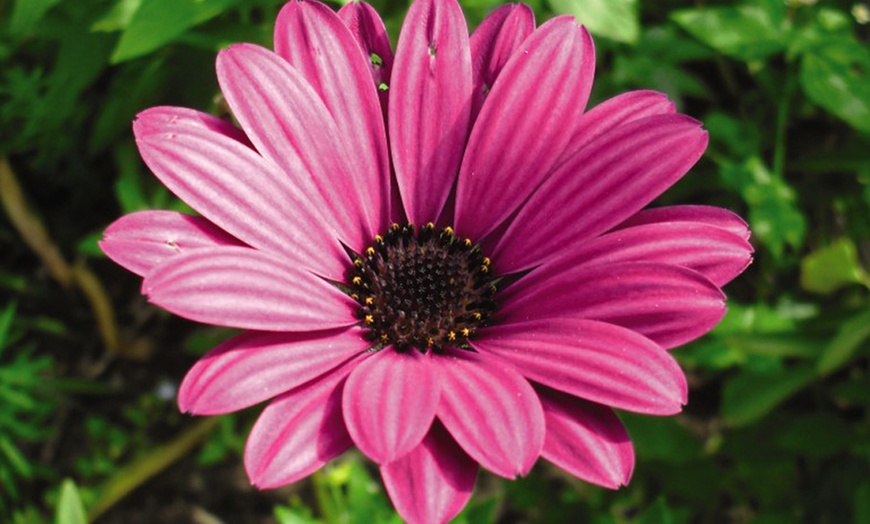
(439,257)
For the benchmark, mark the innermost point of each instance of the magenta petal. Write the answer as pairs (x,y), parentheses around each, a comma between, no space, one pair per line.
(290,125)
(586,440)
(312,38)
(433,482)
(491,411)
(528,118)
(368,29)
(247,289)
(390,401)
(240,192)
(716,253)
(139,241)
(492,44)
(430,104)
(709,215)
(254,367)
(668,304)
(161,119)
(609,180)
(600,362)
(298,432)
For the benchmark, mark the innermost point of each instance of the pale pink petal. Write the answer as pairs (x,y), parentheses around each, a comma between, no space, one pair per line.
(433,482)
(299,432)
(247,289)
(430,105)
(670,305)
(491,411)
(234,188)
(492,44)
(311,37)
(368,29)
(709,215)
(139,241)
(606,182)
(290,125)
(716,253)
(527,120)
(615,112)
(586,440)
(256,366)
(600,362)
(162,118)
(390,401)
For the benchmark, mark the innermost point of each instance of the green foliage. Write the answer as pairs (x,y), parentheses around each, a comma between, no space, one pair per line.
(618,20)
(70,509)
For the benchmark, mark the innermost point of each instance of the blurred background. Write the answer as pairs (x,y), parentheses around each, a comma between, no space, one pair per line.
(776,429)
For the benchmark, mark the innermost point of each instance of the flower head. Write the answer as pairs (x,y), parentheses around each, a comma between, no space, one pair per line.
(439,256)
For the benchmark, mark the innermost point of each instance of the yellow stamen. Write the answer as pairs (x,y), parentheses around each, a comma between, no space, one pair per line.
(357,281)
(379,239)
(370,251)
(451,336)
(370,319)
(369,301)
(466,332)
(486,261)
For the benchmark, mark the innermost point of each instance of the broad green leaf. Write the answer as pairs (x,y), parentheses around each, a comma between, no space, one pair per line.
(128,187)
(617,20)
(69,508)
(851,337)
(6,318)
(27,13)
(660,438)
(832,267)
(657,513)
(837,77)
(159,22)
(815,435)
(747,32)
(118,17)
(15,458)
(749,396)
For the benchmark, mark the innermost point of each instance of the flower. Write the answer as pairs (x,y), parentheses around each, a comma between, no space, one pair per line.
(439,257)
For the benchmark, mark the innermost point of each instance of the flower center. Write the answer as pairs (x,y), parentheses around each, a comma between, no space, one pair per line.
(422,288)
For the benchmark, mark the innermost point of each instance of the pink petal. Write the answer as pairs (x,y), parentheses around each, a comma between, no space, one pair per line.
(389,403)
(368,29)
(290,125)
(605,183)
(712,216)
(247,289)
(139,241)
(615,112)
(527,120)
(716,253)
(668,304)
(298,432)
(161,119)
(433,482)
(492,44)
(312,38)
(430,104)
(491,411)
(254,367)
(600,362)
(234,188)
(586,440)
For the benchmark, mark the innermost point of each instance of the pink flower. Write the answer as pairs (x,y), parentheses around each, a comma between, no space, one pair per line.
(438,256)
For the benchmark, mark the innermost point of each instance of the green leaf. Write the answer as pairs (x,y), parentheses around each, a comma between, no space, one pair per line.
(659,438)
(69,508)
(746,32)
(749,396)
(862,504)
(27,13)
(6,318)
(837,77)
(657,513)
(159,22)
(118,17)
(849,339)
(617,20)
(814,435)
(832,267)
(774,216)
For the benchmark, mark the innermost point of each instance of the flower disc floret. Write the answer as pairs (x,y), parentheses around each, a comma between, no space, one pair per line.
(423,288)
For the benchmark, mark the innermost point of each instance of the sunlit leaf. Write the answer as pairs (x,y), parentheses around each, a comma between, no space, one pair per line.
(159,22)
(832,267)
(852,335)
(69,508)
(837,77)
(614,19)
(747,32)
(27,13)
